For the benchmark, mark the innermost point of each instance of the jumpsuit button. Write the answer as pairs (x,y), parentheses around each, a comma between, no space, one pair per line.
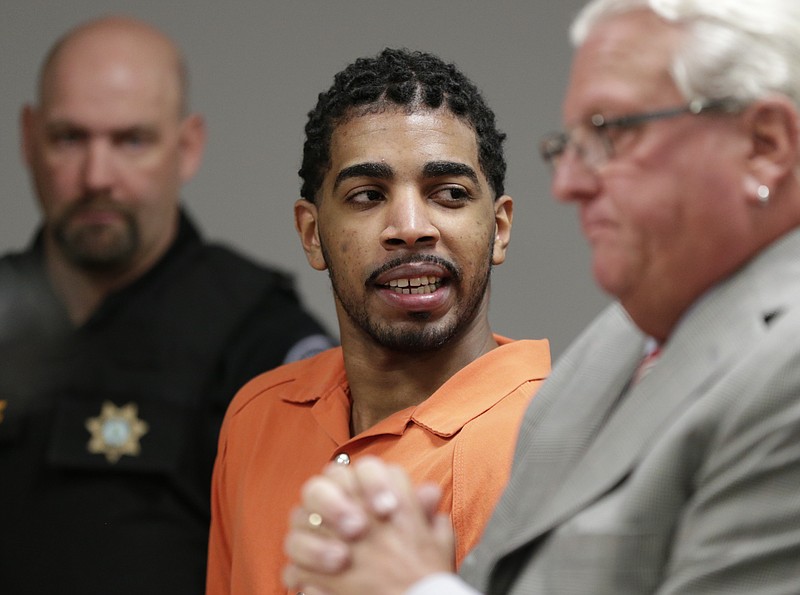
(342,459)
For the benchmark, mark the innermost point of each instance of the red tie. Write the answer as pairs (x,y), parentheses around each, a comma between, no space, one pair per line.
(646,365)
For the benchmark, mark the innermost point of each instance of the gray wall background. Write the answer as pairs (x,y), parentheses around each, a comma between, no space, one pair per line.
(256,69)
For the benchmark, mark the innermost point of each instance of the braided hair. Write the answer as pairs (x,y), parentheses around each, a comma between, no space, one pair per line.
(399,78)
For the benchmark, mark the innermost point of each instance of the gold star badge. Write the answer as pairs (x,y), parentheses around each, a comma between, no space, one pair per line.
(116,431)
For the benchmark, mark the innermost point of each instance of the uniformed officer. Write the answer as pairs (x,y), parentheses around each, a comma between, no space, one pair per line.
(123,334)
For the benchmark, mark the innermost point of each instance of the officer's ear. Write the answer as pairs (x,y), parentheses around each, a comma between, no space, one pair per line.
(305,222)
(192,144)
(29,123)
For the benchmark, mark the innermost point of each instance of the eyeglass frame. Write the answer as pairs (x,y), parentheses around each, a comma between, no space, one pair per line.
(553,146)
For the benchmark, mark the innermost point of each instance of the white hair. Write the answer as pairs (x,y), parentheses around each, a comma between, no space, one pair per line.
(739,49)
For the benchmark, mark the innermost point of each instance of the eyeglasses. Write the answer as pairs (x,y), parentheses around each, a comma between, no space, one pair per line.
(593,143)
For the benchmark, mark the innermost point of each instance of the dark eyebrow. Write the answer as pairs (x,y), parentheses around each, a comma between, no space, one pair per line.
(369,169)
(57,125)
(137,130)
(436,169)
(62,125)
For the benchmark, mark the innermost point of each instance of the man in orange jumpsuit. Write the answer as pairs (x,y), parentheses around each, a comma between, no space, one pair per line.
(403,204)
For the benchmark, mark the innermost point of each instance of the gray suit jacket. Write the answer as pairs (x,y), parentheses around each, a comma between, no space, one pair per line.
(688,482)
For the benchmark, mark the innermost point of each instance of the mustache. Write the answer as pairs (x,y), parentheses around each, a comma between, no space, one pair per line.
(94,200)
(450,267)
(90,202)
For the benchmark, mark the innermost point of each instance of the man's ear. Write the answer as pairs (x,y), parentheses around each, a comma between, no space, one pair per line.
(772,124)
(305,222)
(27,123)
(192,145)
(503,214)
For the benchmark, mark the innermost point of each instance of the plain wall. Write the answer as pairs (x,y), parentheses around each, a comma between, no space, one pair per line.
(256,70)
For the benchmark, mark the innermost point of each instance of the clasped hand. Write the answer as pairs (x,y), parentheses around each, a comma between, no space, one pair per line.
(365,529)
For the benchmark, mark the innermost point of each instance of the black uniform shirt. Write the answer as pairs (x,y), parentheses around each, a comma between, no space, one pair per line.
(108,432)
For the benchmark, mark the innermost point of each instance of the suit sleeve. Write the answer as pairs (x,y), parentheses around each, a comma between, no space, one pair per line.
(441,584)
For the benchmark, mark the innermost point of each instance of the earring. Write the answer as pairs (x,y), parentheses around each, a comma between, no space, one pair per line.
(763,194)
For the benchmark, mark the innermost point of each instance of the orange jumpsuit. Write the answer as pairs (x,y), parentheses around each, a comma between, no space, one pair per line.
(287,424)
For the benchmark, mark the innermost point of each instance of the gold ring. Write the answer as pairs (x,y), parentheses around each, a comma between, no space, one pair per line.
(315,520)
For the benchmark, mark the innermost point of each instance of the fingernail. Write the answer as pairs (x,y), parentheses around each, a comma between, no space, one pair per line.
(384,503)
(334,557)
(352,524)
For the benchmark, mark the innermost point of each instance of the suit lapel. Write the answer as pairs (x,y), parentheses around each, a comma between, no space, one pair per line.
(703,346)
(638,418)
(563,419)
